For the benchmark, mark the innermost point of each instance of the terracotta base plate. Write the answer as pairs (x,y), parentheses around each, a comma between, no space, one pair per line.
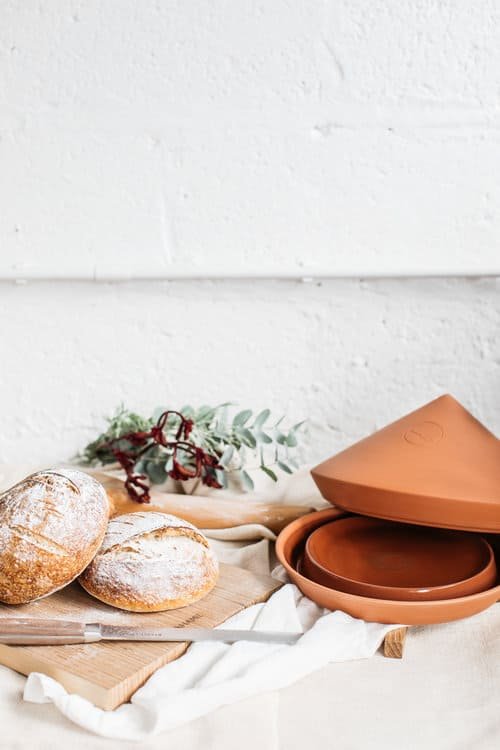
(289,548)
(386,560)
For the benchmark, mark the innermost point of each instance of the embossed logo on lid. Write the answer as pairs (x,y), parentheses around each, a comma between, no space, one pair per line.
(424,433)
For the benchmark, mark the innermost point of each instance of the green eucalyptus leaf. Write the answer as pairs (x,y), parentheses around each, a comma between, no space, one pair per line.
(187,411)
(221,477)
(269,472)
(298,425)
(156,472)
(284,467)
(261,418)
(248,438)
(281,439)
(242,417)
(140,467)
(246,480)
(291,440)
(263,438)
(204,414)
(226,457)
(222,407)
(242,455)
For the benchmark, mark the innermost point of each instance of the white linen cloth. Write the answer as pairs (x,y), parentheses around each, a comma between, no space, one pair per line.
(211,675)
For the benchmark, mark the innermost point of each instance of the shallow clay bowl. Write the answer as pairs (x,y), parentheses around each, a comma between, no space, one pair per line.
(375,558)
(290,546)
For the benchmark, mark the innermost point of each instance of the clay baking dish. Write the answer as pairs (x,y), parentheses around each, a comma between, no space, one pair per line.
(437,466)
(290,546)
(386,560)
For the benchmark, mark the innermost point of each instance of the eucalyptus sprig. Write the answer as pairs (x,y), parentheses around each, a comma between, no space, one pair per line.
(205,443)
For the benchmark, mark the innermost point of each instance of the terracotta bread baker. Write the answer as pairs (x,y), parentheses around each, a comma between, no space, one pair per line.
(149,562)
(51,525)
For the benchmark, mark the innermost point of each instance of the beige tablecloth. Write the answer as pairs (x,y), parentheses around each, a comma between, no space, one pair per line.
(443,694)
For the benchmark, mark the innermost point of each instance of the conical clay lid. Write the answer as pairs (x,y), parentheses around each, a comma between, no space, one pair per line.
(438,466)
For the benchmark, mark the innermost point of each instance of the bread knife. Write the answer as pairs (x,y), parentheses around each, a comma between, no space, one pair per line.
(33,632)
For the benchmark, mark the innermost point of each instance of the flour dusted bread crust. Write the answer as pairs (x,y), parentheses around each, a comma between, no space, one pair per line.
(51,525)
(149,562)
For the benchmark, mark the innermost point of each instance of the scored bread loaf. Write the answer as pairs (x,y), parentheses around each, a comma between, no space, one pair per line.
(51,525)
(149,562)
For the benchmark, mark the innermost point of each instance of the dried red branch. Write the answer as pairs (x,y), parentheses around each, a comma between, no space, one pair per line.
(205,464)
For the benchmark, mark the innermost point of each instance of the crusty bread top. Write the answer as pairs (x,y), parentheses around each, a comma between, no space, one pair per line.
(150,558)
(126,527)
(51,524)
(59,511)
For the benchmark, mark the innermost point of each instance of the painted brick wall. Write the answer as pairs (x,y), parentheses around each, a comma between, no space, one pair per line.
(150,139)
(146,137)
(350,355)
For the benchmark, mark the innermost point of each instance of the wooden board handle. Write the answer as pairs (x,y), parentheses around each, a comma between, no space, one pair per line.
(22,631)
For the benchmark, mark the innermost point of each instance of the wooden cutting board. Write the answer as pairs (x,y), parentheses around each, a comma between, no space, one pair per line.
(109,673)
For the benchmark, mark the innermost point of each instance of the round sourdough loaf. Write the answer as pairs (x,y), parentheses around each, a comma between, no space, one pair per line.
(149,562)
(51,525)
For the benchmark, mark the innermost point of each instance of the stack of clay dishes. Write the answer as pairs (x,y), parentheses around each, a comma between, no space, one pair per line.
(387,560)
(405,541)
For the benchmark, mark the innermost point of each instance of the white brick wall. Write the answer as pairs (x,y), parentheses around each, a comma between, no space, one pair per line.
(143,138)
(350,355)
(237,137)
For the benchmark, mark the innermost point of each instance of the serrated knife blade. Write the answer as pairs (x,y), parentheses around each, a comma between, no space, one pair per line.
(33,632)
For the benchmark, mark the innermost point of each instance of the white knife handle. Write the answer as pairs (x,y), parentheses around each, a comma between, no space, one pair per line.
(22,631)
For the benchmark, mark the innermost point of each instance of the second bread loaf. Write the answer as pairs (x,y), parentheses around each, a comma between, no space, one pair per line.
(150,562)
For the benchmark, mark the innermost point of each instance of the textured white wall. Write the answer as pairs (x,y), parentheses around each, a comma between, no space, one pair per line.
(350,355)
(141,138)
(148,139)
